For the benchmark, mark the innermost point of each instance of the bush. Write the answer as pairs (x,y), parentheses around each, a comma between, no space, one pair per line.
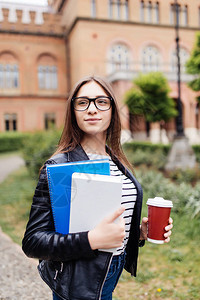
(38,148)
(189,176)
(193,203)
(155,156)
(12,141)
(133,146)
(196,149)
(147,157)
(184,196)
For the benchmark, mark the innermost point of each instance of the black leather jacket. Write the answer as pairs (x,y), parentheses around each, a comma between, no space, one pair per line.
(67,263)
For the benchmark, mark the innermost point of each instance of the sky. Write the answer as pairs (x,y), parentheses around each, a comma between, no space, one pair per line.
(36,2)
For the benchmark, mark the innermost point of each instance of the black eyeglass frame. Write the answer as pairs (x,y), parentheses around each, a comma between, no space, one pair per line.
(93,100)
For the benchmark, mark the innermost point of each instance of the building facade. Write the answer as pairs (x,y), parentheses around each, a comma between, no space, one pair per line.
(44,51)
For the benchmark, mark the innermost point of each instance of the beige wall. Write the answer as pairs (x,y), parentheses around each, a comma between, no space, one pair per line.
(30,112)
(32,103)
(77,8)
(27,50)
(89,42)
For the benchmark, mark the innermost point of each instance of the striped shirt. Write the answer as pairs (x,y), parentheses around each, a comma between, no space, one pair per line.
(129,195)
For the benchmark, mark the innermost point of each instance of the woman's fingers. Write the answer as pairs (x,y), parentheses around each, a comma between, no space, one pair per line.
(115,215)
(168,232)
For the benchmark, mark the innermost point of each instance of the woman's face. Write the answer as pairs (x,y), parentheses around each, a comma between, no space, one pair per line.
(93,121)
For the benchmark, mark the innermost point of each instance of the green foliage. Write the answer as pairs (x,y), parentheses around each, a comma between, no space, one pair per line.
(194,202)
(193,65)
(149,97)
(38,148)
(12,141)
(196,149)
(135,101)
(155,156)
(189,176)
(168,271)
(145,153)
(147,158)
(186,199)
(15,201)
(142,146)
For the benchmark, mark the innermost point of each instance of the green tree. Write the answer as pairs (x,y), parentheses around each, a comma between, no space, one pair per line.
(150,97)
(193,66)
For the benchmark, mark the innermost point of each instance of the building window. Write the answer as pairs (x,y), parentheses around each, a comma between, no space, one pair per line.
(49,120)
(93,8)
(126,12)
(118,9)
(9,76)
(47,72)
(142,11)
(47,77)
(185,15)
(119,58)
(149,12)
(199,16)
(151,59)
(180,16)
(184,56)
(10,122)
(110,9)
(157,17)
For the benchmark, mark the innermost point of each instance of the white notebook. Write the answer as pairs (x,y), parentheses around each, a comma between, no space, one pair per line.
(93,197)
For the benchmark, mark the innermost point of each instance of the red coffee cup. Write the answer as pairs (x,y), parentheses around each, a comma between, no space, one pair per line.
(158,218)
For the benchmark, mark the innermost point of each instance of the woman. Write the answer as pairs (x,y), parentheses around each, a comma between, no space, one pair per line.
(71,264)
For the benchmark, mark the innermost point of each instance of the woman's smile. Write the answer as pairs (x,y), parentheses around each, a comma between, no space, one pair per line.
(93,120)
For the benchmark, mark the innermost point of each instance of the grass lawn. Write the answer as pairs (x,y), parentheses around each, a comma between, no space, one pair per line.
(15,201)
(169,271)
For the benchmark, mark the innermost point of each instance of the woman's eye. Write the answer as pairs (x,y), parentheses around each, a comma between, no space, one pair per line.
(82,102)
(102,101)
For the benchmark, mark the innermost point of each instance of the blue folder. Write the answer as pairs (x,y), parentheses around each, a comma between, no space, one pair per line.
(59,182)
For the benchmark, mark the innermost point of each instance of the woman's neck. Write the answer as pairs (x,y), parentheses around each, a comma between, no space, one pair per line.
(94,145)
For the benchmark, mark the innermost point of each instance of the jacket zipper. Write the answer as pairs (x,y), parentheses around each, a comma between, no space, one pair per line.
(60,271)
(105,277)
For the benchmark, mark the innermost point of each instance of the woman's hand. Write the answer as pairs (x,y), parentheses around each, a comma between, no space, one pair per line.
(168,230)
(143,230)
(108,234)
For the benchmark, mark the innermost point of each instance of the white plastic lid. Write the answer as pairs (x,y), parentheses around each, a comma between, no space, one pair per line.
(160,202)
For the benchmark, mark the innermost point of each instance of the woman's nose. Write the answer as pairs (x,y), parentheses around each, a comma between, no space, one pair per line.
(92,108)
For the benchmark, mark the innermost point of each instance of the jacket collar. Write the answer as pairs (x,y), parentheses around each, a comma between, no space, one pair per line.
(77,154)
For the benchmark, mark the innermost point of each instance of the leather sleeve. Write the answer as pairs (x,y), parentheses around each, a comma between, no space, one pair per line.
(40,239)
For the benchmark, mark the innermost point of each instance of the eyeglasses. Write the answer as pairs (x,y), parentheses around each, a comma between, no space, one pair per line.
(101,102)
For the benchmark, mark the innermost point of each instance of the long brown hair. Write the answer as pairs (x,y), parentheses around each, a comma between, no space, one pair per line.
(72,134)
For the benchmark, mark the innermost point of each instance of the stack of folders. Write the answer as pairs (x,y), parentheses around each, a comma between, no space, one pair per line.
(82,193)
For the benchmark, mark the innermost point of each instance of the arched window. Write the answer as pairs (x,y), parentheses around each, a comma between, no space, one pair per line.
(47,73)
(9,71)
(119,58)
(151,59)
(184,56)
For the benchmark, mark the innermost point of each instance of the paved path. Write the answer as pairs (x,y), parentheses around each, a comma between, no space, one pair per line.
(19,279)
(9,164)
